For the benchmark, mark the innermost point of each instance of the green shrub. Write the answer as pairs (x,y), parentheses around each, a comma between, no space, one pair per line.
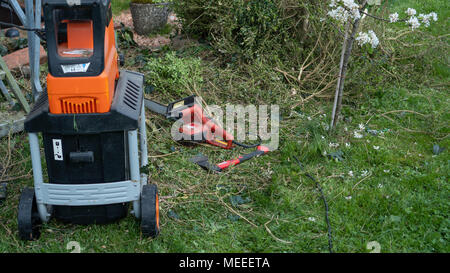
(250,28)
(173,75)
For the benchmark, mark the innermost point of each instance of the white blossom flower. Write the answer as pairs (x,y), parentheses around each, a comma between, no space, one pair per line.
(413,22)
(333,145)
(411,12)
(348,197)
(312,219)
(344,10)
(347,145)
(386,171)
(434,16)
(350,173)
(362,127)
(364,173)
(380,186)
(357,135)
(393,17)
(373,39)
(363,38)
(376,147)
(309,118)
(425,19)
(339,14)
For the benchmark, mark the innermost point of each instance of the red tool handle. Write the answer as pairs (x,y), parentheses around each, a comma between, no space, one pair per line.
(213,133)
(260,150)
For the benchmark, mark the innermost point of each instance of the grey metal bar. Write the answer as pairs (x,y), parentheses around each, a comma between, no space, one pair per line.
(37,174)
(37,51)
(134,167)
(33,13)
(6,93)
(19,12)
(143,138)
(90,194)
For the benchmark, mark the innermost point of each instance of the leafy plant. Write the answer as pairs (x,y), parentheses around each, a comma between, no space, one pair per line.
(173,75)
(125,37)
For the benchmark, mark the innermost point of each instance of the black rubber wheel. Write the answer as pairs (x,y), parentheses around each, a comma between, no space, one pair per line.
(150,211)
(29,222)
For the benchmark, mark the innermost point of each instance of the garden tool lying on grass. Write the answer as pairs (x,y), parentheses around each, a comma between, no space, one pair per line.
(203,161)
(195,126)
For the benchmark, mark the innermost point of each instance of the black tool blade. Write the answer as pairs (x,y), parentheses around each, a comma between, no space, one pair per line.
(156,107)
(203,162)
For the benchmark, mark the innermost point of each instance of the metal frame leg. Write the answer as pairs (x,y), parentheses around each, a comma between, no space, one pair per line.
(37,174)
(33,13)
(143,138)
(19,12)
(134,167)
(143,145)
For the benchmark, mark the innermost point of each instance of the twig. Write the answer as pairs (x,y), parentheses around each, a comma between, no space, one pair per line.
(353,188)
(15,178)
(273,236)
(164,155)
(404,128)
(406,111)
(237,213)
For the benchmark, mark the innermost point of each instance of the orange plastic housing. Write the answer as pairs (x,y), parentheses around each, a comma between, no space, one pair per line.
(82,95)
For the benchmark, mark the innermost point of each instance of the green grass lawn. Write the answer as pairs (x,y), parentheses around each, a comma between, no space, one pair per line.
(389,186)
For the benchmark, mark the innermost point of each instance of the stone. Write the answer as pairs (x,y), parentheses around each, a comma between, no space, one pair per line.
(26,71)
(19,58)
(148,18)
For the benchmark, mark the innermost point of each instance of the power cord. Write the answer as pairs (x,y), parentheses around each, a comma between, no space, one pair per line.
(39,32)
(330,238)
(248,146)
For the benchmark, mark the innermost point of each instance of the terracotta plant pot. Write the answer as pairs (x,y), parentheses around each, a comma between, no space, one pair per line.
(148,18)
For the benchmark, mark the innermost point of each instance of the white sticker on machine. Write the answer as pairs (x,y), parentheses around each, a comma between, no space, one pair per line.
(74,68)
(57,149)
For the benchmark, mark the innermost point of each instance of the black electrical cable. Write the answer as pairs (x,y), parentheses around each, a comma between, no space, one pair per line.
(248,146)
(38,31)
(330,238)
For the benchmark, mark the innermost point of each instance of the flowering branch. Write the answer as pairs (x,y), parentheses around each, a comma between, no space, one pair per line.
(349,12)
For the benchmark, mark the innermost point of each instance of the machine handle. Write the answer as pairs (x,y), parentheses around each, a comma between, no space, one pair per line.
(81,157)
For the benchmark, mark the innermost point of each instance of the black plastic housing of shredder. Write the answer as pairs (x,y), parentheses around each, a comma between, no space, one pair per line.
(99,11)
(94,147)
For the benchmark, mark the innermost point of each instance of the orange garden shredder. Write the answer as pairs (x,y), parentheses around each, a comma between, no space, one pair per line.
(92,122)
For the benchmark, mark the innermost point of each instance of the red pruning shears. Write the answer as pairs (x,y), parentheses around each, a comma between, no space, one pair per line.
(203,161)
(195,125)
